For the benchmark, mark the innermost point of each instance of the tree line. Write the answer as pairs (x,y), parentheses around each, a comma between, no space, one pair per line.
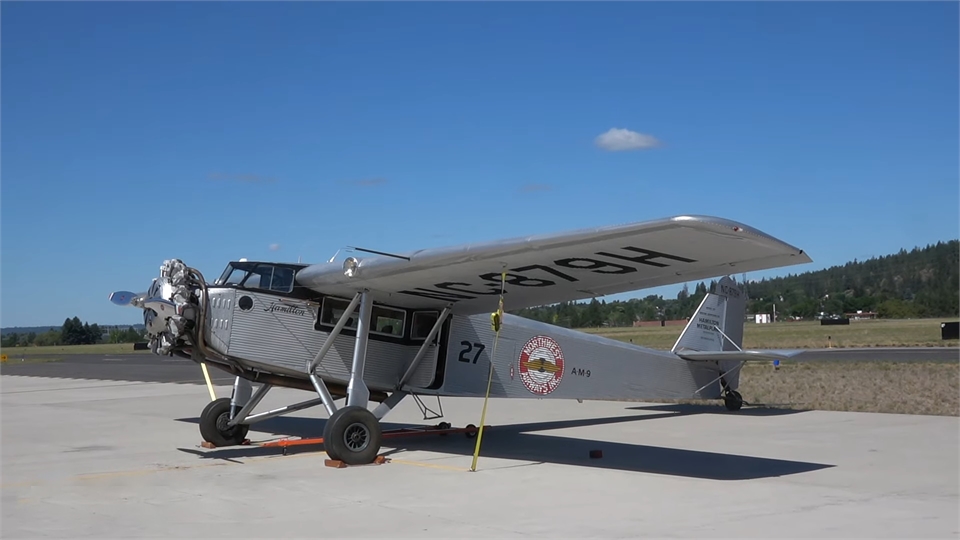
(73,332)
(923,282)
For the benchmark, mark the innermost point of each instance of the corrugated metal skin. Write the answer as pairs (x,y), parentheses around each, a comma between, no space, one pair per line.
(617,370)
(286,341)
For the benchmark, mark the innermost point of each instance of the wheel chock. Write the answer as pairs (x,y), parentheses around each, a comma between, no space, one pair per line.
(596,454)
(210,446)
(337,464)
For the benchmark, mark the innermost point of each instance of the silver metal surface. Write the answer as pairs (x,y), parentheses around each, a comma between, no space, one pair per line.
(388,404)
(593,367)
(689,248)
(286,342)
(219,318)
(327,343)
(259,417)
(243,413)
(357,392)
(325,396)
(242,389)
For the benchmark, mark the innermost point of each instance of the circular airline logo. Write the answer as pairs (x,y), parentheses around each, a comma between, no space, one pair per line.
(541,365)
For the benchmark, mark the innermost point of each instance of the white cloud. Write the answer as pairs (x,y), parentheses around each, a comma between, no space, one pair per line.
(274,247)
(619,139)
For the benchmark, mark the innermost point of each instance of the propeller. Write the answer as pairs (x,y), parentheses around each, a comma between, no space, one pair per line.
(140,300)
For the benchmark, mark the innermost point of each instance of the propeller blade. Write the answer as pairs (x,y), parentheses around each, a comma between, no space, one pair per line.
(123,298)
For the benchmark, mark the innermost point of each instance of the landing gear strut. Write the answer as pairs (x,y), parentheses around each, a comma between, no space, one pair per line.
(732,399)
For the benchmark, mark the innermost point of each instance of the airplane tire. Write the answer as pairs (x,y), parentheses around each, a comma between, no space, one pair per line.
(733,401)
(213,425)
(352,435)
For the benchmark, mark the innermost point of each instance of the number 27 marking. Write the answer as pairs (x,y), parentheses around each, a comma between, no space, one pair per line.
(468,347)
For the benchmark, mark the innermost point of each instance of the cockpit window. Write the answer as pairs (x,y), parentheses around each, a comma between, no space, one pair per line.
(258,276)
(233,276)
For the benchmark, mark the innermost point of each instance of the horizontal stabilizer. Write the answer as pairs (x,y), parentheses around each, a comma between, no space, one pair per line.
(737,356)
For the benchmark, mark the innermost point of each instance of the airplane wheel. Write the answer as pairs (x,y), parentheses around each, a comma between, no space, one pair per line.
(733,401)
(471,431)
(352,435)
(213,425)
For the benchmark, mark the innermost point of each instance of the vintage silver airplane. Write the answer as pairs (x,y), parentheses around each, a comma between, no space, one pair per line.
(431,323)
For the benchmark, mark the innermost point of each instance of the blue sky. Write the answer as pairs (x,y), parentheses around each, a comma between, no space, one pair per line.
(135,132)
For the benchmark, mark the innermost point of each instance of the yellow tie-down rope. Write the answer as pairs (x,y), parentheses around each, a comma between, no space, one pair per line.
(206,377)
(496,320)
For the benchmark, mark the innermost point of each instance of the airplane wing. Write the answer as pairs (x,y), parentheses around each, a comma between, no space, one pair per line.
(560,267)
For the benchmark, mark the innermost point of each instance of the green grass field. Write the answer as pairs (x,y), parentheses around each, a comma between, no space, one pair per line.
(804,334)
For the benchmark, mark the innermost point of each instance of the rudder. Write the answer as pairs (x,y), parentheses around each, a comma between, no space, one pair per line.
(724,308)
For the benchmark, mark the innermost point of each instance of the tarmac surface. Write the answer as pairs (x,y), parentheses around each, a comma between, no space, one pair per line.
(109,459)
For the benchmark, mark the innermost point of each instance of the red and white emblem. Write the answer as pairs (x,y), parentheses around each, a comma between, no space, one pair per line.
(541,365)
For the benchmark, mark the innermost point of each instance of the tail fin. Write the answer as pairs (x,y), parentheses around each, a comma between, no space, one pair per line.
(722,309)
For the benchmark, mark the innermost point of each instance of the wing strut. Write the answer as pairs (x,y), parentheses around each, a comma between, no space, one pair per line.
(312,366)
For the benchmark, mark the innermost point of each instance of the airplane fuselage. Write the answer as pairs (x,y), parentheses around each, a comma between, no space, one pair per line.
(279,333)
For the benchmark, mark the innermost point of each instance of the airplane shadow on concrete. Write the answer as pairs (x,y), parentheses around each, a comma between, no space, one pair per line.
(522,442)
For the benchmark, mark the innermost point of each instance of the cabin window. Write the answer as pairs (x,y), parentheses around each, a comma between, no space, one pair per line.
(383,320)
(333,309)
(423,322)
(387,321)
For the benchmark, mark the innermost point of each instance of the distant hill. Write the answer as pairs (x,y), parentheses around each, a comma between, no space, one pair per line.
(923,282)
